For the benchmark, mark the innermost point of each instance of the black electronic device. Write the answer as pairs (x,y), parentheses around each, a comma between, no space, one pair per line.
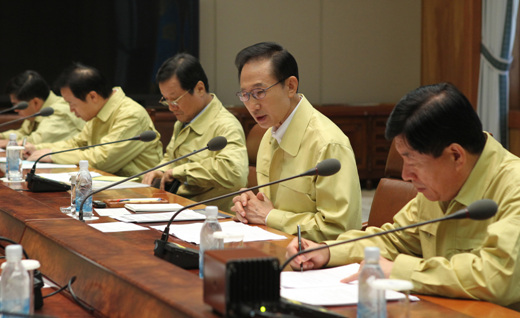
(37,183)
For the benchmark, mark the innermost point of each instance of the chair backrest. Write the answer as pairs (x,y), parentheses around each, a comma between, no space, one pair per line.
(390,196)
(253,139)
(394,163)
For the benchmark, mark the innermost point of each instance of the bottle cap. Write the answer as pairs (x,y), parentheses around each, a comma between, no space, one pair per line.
(13,252)
(211,211)
(83,164)
(28,264)
(372,253)
(12,136)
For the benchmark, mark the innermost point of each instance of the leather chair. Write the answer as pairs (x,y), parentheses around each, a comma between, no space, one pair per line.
(392,192)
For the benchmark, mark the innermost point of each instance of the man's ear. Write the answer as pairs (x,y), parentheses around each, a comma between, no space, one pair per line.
(292,85)
(38,103)
(200,88)
(458,153)
(92,96)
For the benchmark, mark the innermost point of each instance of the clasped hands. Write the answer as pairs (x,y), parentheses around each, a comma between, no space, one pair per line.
(251,208)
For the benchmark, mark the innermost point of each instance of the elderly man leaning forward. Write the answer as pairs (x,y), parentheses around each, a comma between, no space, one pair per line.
(452,163)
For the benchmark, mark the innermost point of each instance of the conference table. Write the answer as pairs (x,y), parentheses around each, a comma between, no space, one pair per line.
(117,274)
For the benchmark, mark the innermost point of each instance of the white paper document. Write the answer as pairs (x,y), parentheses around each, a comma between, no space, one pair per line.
(191,232)
(112,212)
(40,165)
(117,227)
(186,215)
(157,207)
(322,287)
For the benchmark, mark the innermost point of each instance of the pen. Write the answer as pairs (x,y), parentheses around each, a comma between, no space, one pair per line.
(139,200)
(24,141)
(300,245)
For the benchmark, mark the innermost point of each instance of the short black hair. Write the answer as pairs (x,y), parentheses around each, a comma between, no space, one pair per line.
(432,117)
(82,79)
(283,63)
(188,69)
(28,85)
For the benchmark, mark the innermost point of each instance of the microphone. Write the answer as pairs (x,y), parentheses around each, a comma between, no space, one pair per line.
(478,210)
(36,183)
(47,111)
(188,258)
(20,106)
(225,292)
(215,144)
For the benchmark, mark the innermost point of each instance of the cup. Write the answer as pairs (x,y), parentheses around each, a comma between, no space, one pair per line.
(230,240)
(391,286)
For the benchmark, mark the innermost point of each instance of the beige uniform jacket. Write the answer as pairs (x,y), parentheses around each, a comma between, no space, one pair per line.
(120,118)
(324,207)
(208,174)
(456,258)
(61,125)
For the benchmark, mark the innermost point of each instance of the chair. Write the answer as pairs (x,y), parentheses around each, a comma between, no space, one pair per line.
(392,192)
(252,143)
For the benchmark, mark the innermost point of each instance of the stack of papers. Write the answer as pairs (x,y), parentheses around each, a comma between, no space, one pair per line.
(156,207)
(322,287)
(191,232)
(186,215)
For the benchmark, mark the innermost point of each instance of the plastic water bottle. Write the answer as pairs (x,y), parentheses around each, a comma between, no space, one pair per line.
(83,189)
(15,285)
(207,241)
(14,159)
(371,301)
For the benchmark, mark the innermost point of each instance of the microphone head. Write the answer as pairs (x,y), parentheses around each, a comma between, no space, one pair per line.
(328,167)
(21,106)
(482,209)
(148,135)
(325,168)
(47,111)
(217,143)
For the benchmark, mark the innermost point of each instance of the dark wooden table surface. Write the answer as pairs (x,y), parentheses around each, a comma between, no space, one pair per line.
(118,275)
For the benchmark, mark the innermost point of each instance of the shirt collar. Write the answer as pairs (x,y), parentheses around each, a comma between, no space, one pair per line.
(280,131)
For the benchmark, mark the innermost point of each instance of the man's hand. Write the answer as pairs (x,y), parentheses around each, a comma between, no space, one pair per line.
(251,208)
(38,153)
(386,266)
(312,260)
(150,176)
(167,177)
(3,143)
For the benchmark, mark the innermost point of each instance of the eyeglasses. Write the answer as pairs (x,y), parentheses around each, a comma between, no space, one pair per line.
(257,93)
(168,103)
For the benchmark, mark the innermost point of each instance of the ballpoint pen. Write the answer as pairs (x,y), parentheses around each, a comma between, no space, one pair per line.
(300,245)
(140,200)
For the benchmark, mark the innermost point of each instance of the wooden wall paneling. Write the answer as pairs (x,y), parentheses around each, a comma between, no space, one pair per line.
(451,33)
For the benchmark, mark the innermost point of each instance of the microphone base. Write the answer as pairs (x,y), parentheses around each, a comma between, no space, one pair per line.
(36,183)
(184,257)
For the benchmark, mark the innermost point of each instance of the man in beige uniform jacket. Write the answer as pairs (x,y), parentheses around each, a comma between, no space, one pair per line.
(298,138)
(200,117)
(29,86)
(110,116)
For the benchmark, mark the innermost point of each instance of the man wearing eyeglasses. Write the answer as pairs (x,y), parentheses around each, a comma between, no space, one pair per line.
(299,138)
(200,117)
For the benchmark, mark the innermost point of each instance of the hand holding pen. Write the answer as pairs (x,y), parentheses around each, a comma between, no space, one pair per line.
(300,245)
